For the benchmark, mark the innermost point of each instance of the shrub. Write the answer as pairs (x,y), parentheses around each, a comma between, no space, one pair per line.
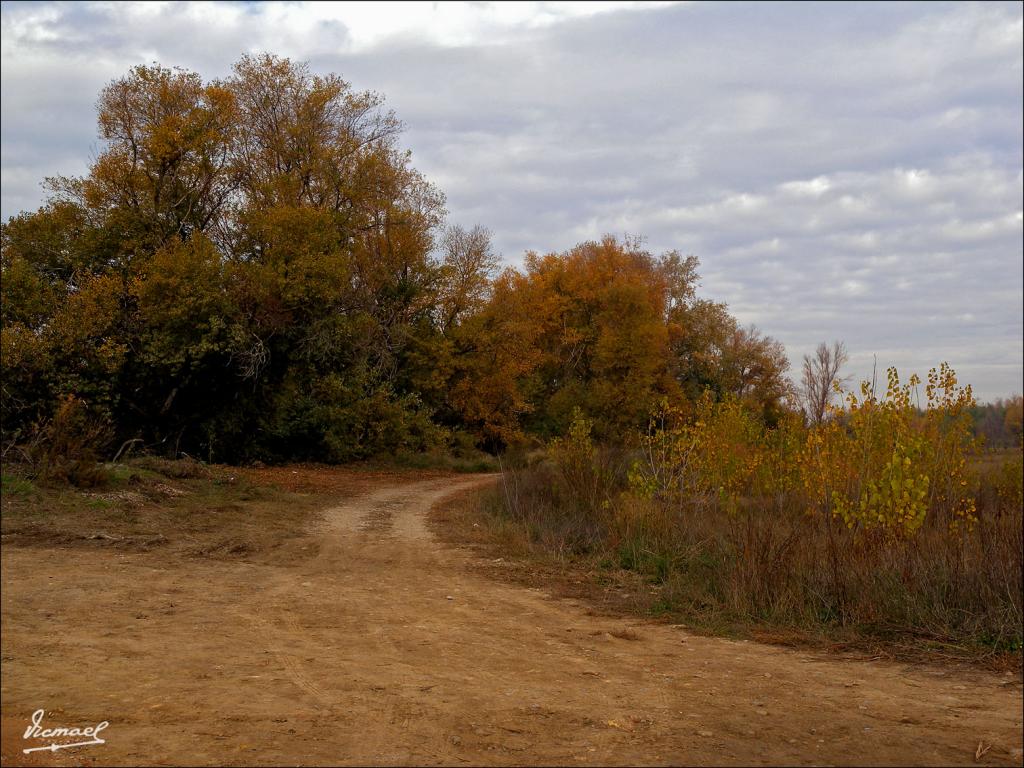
(67,447)
(883,466)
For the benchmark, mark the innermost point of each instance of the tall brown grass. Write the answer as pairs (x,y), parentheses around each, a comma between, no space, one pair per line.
(768,562)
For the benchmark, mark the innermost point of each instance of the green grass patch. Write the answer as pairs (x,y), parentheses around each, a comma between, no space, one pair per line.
(15,485)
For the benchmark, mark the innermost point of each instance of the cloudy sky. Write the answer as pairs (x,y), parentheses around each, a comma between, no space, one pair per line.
(843,171)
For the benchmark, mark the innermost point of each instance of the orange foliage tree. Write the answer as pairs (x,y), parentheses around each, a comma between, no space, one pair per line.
(611,329)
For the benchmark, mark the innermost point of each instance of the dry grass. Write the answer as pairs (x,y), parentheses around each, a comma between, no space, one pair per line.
(180,508)
(184,508)
(768,572)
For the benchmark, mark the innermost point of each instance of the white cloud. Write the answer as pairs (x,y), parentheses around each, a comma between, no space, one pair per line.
(815,187)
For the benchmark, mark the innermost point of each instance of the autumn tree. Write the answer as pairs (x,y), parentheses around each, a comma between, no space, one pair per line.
(494,357)
(598,312)
(609,328)
(242,270)
(167,169)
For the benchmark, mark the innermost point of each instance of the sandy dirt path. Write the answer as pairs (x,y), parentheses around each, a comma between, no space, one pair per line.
(386,648)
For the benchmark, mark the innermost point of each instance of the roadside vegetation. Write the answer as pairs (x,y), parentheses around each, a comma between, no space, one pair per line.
(884,527)
(174,508)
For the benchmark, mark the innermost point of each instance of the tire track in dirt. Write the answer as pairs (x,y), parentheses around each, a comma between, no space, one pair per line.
(290,665)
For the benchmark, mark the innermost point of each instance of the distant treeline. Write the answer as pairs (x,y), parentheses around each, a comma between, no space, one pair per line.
(252,268)
(999,423)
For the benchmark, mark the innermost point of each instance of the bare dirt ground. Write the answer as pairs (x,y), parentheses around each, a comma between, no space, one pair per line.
(375,644)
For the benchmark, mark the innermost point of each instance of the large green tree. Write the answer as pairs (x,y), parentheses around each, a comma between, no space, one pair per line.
(245,260)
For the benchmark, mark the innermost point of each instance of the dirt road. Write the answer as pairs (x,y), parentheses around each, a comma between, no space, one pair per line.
(385,648)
